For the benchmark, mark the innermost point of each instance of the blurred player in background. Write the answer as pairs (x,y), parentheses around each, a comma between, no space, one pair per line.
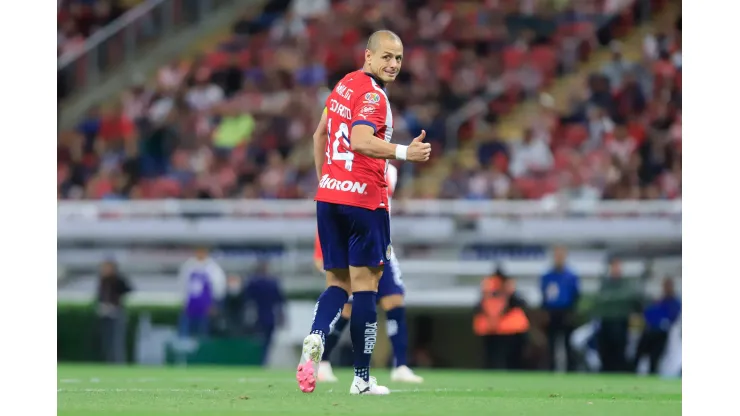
(352,206)
(390,297)
(204,285)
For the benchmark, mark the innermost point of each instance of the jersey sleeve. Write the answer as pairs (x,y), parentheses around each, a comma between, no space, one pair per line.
(370,109)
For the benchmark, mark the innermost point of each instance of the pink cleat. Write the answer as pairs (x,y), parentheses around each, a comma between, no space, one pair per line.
(305,377)
(313,348)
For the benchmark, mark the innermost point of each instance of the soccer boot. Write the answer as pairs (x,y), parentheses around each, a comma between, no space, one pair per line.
(371,387)
(403,374)
(326,374)
(313,348)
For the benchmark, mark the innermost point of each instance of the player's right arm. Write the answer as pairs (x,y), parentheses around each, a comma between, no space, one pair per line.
(363,141)
(368,116)
(319,144)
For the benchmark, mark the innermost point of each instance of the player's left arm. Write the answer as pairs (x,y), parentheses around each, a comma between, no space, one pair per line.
(319,144)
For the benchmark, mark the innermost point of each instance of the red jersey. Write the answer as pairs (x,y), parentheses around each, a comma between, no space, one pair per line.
(391,177)
(351,178)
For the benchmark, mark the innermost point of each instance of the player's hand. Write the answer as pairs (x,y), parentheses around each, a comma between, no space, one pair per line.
(419,151)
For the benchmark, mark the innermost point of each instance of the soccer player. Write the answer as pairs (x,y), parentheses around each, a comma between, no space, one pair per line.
(352,145)
(390,297)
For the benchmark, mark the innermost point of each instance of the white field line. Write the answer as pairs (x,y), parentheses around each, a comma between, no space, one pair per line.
(135,390)
(175,380)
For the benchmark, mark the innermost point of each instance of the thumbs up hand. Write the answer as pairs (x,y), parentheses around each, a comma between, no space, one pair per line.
(419,151)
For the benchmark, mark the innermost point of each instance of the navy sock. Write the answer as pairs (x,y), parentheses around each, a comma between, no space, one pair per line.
(328,310)
(333,338)
(363,327)
(398,334)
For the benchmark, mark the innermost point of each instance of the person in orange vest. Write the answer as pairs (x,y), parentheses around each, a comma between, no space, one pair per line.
(501,323)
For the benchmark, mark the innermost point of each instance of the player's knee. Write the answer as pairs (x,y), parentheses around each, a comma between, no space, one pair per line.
(365,278)
(347,311)
(391,302)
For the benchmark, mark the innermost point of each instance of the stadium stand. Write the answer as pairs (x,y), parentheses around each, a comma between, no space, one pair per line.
(619,137)
(236,121)
(78,19)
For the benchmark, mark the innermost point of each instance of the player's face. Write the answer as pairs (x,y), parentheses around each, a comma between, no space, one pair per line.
(385,62)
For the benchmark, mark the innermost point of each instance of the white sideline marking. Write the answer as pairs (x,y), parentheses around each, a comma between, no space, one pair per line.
(434,390)
(176,380)
(70,380)
(133,390)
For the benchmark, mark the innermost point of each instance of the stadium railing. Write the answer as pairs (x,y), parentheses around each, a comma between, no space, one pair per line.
(307,208)
(414,222)
(130,36)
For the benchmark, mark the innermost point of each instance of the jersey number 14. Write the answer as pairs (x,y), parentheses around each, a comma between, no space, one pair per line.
(341,136)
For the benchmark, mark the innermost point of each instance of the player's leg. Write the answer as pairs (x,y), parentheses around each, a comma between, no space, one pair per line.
(326,373)
(391,294)
(369,250)
(333,238)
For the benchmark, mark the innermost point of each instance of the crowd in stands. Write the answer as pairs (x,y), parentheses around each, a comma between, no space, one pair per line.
(236,122)
(78,19)
(620,138)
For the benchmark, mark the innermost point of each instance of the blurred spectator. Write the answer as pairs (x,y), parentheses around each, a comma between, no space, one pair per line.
(204,94)
(234,306)
(616,69)
(659,316)
(560,289)
(310,9)
(290,27)
(264,293)
(617,299)
(204,285)
(530,156)
(111,310)
(622,145)
(501,323)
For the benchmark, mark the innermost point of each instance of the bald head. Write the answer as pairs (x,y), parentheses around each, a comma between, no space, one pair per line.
(384,55)
(380,37)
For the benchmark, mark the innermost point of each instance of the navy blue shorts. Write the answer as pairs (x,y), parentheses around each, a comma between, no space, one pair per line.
(391,283)
(353,236)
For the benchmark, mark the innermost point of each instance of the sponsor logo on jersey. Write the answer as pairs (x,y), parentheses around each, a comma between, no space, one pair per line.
(372,98)
(343,186)
(368,109)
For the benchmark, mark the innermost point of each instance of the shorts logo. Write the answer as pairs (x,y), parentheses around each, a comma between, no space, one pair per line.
(388,252)
(372,98)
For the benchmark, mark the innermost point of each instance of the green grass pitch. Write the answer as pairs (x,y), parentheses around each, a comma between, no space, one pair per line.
(127,391)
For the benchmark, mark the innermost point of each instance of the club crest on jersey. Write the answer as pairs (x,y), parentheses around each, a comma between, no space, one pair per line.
(388,252)
(372,98)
